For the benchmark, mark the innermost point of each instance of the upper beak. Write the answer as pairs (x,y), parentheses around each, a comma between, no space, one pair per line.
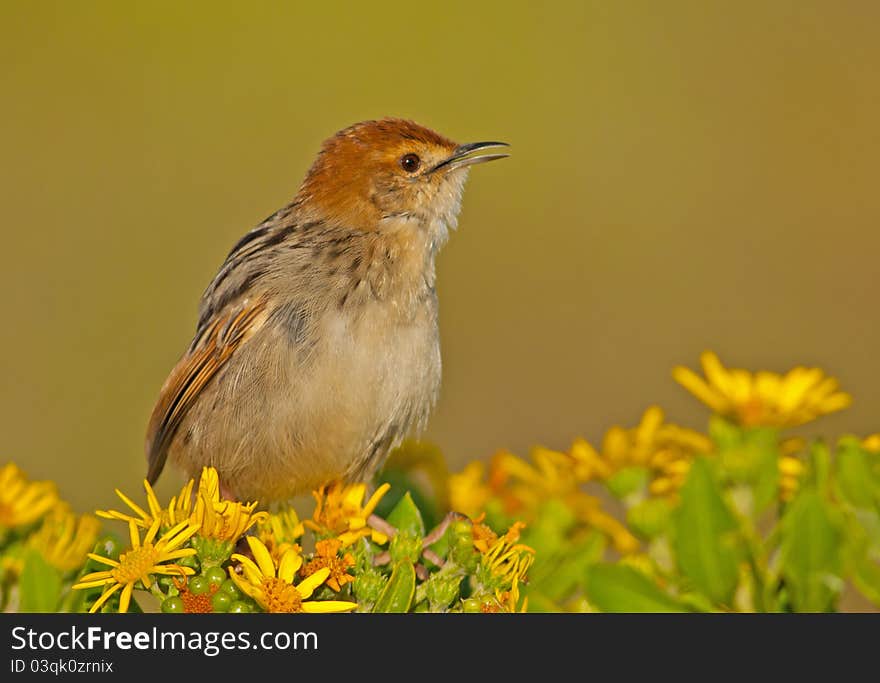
(462,156)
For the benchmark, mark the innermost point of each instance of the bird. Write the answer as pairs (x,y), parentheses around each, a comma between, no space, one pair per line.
(316,350)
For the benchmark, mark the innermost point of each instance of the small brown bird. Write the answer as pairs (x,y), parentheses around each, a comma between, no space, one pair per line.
(317,348)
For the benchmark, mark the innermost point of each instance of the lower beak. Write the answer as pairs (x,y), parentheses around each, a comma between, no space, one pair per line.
(464,155)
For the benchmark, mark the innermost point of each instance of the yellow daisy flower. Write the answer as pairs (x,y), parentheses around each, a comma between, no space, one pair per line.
(224,521)
(507,559)
(587,463)
(763,398)
(280,531)
(468,493)
(483,535)
(141,562)
(271,585)
(217,519)
(665,449)
(872,443)
(64,539)
(179,509)
(327,555)
(589,510)
(791,470)
(23,502)
(340,511)
(521,487)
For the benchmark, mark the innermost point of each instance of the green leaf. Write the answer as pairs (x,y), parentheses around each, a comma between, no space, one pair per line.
(704,536)
(540,603)
(403,482)
(820,465)
(856,480)
(650,518)
(627,481)
(866,577)
(811,553)
(406,517)
(109,546)
(618,588)
(766,480)
(547,533)
(750,456)
(725,434)
(39,585)
(569,569)
(398,592)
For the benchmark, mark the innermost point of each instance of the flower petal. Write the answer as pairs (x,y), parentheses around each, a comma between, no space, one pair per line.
(309,584)
(251,570)
(698,387)
(262,556)
(325,606)
(125,598)
(290,563)
(104,597)
(375,498)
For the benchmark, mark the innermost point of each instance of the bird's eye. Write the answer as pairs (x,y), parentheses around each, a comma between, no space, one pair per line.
(410,163)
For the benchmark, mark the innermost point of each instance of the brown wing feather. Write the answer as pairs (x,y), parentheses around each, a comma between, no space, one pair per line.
(215,346)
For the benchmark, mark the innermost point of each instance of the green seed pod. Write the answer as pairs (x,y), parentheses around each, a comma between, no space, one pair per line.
(220,601)
(172,605)
(198,585)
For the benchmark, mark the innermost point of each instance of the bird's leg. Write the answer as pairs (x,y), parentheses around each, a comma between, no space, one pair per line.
(430,555)
(437,532)
(381,558)
(225,493)
(382,526)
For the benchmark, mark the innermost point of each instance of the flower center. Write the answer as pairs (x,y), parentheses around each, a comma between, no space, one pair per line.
(327,557)
(198,604)
(7,515)
(281,596)
(752,412)
(135,564)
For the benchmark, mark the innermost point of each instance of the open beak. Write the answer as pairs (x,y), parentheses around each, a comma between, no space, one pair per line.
(464,155)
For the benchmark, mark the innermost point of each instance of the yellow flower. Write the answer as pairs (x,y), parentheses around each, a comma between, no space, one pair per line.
(280,531)
(468,493)
(327,556)
(483,535)
(872,443)
(224,521)
(65,539)
(271,585)
(141,562)
(505,601)
(23,502)
(218,519)
(790,471)
(340,511)
(587,463)
(507,559)
(522,487)
(763,398)
(510,599)
(589,510)
(179,509)
(664,449)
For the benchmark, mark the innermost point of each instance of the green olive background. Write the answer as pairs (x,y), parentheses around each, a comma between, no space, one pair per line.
(684,176)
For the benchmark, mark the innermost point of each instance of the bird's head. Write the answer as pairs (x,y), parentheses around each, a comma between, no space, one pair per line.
(391,174)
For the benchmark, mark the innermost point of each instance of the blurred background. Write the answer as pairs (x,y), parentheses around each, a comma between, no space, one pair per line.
(684,176)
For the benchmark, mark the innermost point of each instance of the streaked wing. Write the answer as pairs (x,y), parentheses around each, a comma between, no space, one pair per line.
(214,346)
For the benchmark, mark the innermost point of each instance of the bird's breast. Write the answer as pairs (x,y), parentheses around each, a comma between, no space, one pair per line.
(363,376)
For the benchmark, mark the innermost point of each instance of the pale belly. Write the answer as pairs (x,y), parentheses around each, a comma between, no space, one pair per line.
(285,419)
